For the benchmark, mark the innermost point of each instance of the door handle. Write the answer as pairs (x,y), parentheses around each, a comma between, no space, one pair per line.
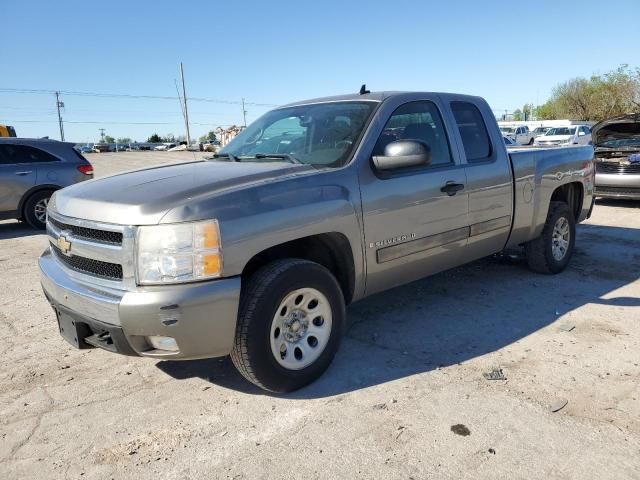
(27,172)
(451,188)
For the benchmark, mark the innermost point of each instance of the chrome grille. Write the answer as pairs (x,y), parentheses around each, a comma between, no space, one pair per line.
(89,233)
(610,167)
(94,252)
(89,266)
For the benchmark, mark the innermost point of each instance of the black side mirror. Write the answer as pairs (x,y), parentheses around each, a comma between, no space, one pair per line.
(403,154)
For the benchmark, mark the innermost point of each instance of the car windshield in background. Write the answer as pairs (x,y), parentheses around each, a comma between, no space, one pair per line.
(507,130)
(561,131)
(323,134)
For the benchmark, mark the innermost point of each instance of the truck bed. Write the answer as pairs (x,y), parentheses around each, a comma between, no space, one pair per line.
(537,172)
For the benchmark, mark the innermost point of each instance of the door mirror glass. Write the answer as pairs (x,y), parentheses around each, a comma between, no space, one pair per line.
(403,154)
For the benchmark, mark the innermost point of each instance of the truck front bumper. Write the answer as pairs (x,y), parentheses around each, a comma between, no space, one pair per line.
(613,185)
(200,318)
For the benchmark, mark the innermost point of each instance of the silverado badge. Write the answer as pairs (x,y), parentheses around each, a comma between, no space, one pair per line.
(63,244)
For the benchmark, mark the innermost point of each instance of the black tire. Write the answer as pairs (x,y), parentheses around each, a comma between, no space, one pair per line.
(29,213)
(260,299)
(540,250)
(530,142)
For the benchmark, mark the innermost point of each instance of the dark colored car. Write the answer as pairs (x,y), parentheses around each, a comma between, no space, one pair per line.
(617,151)
(31,170)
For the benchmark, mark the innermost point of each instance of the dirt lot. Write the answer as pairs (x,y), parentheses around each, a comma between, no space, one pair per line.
(405,398)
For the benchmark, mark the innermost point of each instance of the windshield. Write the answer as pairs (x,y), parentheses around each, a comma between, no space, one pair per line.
(507,129)
(561,131)
(541,130)
(323,134)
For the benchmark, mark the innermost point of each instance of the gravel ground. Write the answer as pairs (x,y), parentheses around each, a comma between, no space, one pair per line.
(405,397)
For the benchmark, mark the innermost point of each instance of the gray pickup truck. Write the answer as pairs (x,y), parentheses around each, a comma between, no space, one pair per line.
(256,252)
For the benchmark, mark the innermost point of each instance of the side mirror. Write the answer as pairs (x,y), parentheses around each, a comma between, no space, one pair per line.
(402,154)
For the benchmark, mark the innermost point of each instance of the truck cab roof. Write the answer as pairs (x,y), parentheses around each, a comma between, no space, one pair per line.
(374,97)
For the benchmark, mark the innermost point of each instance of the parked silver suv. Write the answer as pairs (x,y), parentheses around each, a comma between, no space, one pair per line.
(31,170)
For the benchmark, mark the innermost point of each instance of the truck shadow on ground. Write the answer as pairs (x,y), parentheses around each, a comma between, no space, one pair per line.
(457,315)
(16,229)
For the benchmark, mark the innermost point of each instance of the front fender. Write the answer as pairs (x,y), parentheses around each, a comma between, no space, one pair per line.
(259,217)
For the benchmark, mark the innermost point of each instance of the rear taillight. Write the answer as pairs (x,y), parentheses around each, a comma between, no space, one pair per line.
(86,169)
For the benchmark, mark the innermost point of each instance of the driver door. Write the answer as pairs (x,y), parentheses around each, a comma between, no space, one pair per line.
(413,226)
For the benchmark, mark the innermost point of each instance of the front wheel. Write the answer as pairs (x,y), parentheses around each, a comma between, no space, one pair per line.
(552,250)
(291,320)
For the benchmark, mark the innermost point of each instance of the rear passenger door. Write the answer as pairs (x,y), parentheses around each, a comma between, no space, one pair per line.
(489,179)
(415,221)
(17,176)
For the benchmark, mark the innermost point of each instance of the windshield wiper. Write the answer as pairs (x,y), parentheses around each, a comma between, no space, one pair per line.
(284,156)
(230,156)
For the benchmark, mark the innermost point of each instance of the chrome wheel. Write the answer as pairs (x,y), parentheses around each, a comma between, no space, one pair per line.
(560,238)
(40,210)
(301,328)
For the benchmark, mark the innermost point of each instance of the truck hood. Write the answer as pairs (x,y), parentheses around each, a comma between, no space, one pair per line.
(616,132)
(143,197)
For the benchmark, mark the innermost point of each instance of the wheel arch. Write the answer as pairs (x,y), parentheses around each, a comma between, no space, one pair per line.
(331,250)
(572,194)
(33,190)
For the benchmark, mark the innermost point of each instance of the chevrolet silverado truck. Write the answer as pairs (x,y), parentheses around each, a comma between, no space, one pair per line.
(255,252)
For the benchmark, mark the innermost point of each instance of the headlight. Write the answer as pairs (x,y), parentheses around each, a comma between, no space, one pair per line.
(178,253)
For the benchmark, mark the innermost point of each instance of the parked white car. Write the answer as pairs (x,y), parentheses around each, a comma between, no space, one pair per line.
(539,131)
(571,135)
(520,135)
(164,147)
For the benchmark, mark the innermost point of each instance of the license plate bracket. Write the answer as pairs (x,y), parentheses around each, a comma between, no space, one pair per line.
(72,330)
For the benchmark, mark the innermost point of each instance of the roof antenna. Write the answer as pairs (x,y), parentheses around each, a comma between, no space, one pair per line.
(363,89)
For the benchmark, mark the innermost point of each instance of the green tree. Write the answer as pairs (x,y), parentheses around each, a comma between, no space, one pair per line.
(546,111)
(109,139)
(517,115)
(155,138)
(123,140)
(208,137)
(595,98)
(169,138)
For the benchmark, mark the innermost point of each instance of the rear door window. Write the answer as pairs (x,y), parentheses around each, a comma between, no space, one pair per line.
(16,154)
(473,131)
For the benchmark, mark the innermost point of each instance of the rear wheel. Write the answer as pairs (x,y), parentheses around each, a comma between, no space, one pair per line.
(35,209)
(552,250)
(531,142)
(290,323)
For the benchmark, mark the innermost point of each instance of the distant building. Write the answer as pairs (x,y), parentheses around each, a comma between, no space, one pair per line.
(225,135)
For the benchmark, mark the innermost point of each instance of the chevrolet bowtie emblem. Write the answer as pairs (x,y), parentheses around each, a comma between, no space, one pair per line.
(63,244)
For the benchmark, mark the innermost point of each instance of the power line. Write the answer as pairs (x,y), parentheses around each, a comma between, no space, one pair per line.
(91,122)
(126,95)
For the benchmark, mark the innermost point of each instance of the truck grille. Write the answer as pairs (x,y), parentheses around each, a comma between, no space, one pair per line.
(102,253)
(110,271)
(610,167)
(114,238)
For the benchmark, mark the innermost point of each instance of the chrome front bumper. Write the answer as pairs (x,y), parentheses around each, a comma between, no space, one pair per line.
(614,185)
(201,317)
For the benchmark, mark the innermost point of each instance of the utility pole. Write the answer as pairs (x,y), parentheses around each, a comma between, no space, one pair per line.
(184,98)
(101,134)
(244,114)
(58,105)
